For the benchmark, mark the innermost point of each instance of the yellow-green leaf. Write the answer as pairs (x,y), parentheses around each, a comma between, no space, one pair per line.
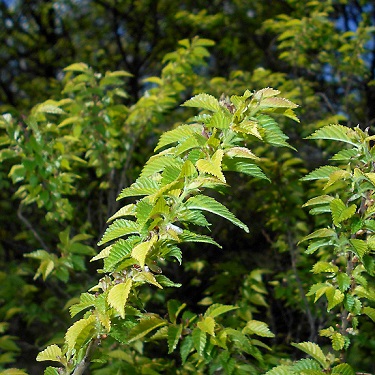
(259,328)
(140,251)
(207,325)
(50,353)
(340,212)
(212,166)
(118,295)
(79,332)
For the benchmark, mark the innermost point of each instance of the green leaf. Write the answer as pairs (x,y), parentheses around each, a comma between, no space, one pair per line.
(77,67)
(212,166)
(321,266)
(174,335)
(338,341)
(199,340)
(272,132)
(314,351)
(267,92)
(259,328)
(50,353)
(164,281)
(128,210)
(203,101)
(185,348)
(16,371)
(240,152)
(118,295)
(187,236)
(243,166)
(315,245)
(48,371)
(217,309)
(281,370)
(144,327)
(334,297)
(370,312)
(359,246)
(321,199)
(305,364)
(321,173)
(276,103)
(119,228)
(86,300)
(158,163)
(340,212)
(204,203)
(335,132)
(118,252)
(344,282)
(219,120)
(345,155)
(80,332)
(142,186)
(343,369)
(178,134)
(319,233)
(207,325)
(140,251)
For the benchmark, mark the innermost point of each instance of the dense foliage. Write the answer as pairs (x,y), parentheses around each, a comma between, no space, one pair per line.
(197,178)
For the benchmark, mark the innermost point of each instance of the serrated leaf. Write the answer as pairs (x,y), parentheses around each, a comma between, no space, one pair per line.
(321,199)
(118,295)
(48,371)
(345,155)
(276,103)
(204,101)
(140,251)
(359,246)
(217,309)
(219,120)
(267,92)
(147,277)
(174,335)
(344,282)
(334,297)
(340,212)
(164,281)
(79,332)
(272,132)
(16,371)
(336,176)
(321,173)
(204,203)
(250,127)
(119,228)
(321,266)
(343,369)
(143,186)
(144,327)
(207,325)
(280,370)
(77,67)
(259,328)
(305,364)
(212,166)
(118,252)
(334,132)
(50,108)
(185,348)
(50,353)
(199,340)
(370,312)
(314,351)
(187,236)
(244,166)
(128,210)
(86,300)
(178,134)
(158,163)
(338,341)
(319,233)
(240,152)
(315,245)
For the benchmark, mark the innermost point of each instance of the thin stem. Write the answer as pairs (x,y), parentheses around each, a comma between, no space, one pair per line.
(86,360)
(31,228)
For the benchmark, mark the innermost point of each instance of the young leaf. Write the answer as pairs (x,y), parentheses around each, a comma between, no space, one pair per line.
(334,297)
(335,132)
(203,101)
(241,165)
(140,251)
(281,370)
(199,340)
(119,228)
(306,364)
(314,351)
(142,186)
(205,203)
(359,246)
(127,210)
(178,134)
(118,295)
(207,325)
(338,341)
(240,152)
(321,173)
(86,300)
(144,327)
(174,335)
(343,369)
(319,233)
(256,327)
(187,236)
(212,166)
(186,347)
(370,312)
(322,266)
(79,332)
(217,309)
(50,353)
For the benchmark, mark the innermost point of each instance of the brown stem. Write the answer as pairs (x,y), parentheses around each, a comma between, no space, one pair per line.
(82,366)
(31,228)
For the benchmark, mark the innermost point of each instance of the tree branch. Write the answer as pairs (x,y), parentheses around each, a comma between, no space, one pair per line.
(82,366)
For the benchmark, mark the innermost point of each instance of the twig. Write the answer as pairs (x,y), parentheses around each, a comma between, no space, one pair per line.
(31,228)
(82,366)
